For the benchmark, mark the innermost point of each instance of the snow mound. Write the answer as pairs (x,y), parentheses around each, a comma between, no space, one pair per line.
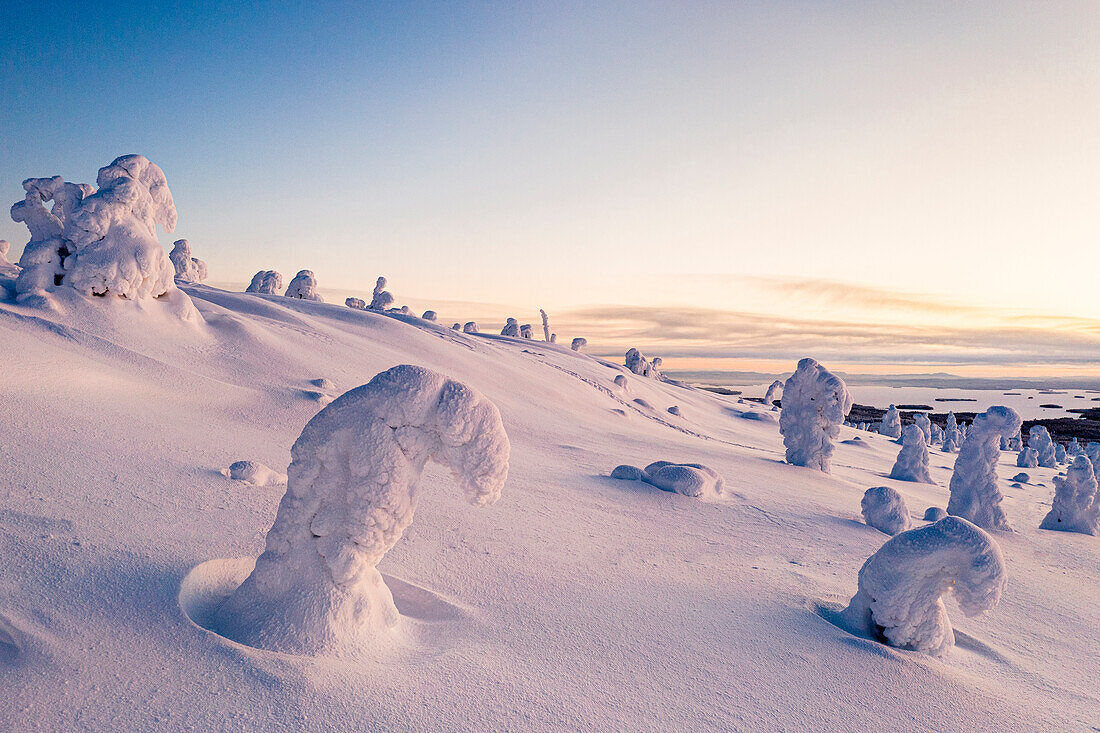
(1021,477)
(934,514)
(188,269)
(627,473)
(268,282)
(815,403)
(430,316)
(901,586)
(688,479)
(885,510)
(974,492)
(352,492)
(255,473)
(675,410)
(620,380)
(912,462)
(304,286)
(1076,507)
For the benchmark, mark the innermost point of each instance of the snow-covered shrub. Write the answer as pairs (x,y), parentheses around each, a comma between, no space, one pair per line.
(627,473)
(912,462)
(921,420)
(934,514)
(1039,439)
(1076,507)
(937,435)
(578,343)
(974,492)
(525,331)
(7,267)
(774,390)
(357,303)
(688,479)
(901,585)
(188,269)
(304,286)
(255,473)
(1059,453)
(99,242)
(381,299)
(545,325)
(885,510)
(511,328)
(268,282)
(352,492)
(1027,458)
(638,364)
(470,327)
(430,316)
(951,437)
(891,423)
(815,403)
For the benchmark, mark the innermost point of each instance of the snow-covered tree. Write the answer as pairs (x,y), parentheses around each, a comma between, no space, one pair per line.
(525,331)
(381,299)
(901,586)
(430,316)
(470,327)
(304,286)
(921,420)
(511,328)
(1059,453)
(1074,449)
(773,392)
(891,423)
(7,267)
(937,435)
(912,462)
(1027,458)
(1039,439)
(545,325)
(268,282)
(641,366)
(951,437)
(357,303)
(1076,507)
(885,510)
(352,491)
(1016,442)
(578,343)
(815,403)
(188,269)
(1092,450)
(974,492)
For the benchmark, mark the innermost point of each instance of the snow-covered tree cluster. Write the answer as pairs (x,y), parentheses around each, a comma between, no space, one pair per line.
(267,282)
(99,240)
(352,491)
(815,403)
(188,269)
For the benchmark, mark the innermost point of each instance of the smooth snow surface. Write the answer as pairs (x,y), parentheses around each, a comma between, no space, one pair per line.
(575,602)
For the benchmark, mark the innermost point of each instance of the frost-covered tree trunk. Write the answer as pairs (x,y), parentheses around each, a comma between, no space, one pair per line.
(974,492)
(815,403)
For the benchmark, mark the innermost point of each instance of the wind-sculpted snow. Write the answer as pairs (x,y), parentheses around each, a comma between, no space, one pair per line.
(352,492)
(188,269)
(1076,507)
(381,299)
(891,423)
(304,286)
(1039,439)
(1027,458)
(974,492)
(951,436)
(912,462)
(815,403)
(267,282)
(884,509)
(901,586)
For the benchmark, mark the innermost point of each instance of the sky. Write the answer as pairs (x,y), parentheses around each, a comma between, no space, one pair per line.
(869,182)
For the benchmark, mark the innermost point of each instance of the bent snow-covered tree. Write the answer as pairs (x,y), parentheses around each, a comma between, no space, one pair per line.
(891,423)
(774,390)
(268,282)
(901,586)
(352,490)
(188,268)
(1039,439)
(304,287)
(974,492)
(912,462)
(815,403)
(1076,507)
(7,268)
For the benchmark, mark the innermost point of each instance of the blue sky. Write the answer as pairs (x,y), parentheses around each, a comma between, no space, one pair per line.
(568,154)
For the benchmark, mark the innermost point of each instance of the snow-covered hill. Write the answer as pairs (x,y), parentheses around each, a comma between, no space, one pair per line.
(576,602)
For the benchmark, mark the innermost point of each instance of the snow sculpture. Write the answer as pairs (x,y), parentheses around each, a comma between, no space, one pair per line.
(951,437)
(912,462)
(578,344)
(774,390)
(304,286)
(1028,458)
(815,403)
(921,420)
(545,325)
(357,303)
(934,514)
(470,327)
(188,269)
(1039,439)
(381,299)
(974,492)
(525,331)
(511,328)
(891,423)
(1076,507)
(430,316)
(901,585)
(267,282)
(7,268)
(885,510)
(352,492)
